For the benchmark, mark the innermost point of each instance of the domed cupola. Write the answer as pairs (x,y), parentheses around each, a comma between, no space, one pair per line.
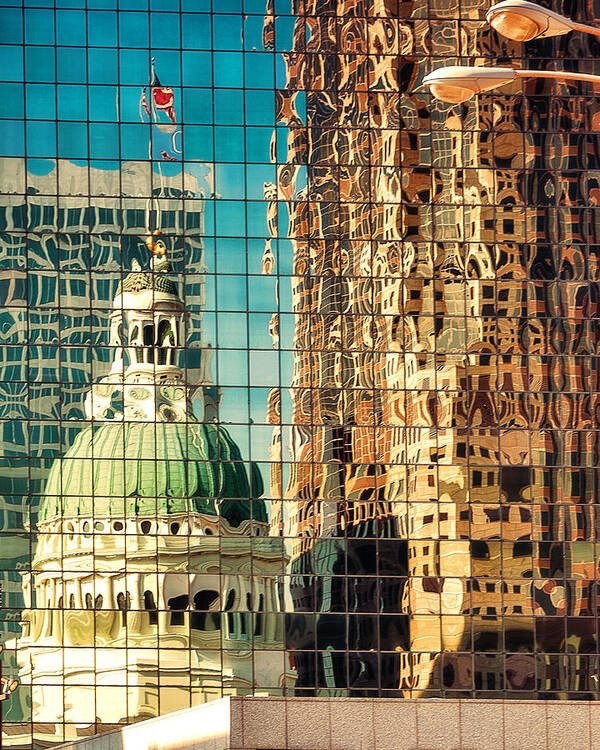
(145,452)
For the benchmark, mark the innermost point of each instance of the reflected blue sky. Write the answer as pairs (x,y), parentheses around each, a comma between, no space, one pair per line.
(85,73)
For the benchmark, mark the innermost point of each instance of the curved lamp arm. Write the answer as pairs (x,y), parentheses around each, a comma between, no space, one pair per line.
(561,75)
(585,28)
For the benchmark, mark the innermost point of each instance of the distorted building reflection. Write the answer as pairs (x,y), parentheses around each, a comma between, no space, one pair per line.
(443,427)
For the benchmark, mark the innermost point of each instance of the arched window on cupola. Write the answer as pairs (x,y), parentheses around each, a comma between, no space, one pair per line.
(230,615)
(178,605)
(246,617)
(150,606)
(166,340)
(135,341)
(148,351)
(123,603)
(89,603)
(204,616)
(258,621)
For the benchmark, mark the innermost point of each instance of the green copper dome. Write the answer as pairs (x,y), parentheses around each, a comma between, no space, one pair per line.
(148,468)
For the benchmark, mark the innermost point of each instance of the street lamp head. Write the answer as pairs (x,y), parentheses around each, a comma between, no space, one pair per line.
(456,84)
(523,21)
(515,26)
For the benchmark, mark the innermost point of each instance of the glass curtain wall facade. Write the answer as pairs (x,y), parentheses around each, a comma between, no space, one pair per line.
(298,369)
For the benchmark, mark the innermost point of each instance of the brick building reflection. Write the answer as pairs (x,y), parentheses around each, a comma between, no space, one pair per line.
(442,483)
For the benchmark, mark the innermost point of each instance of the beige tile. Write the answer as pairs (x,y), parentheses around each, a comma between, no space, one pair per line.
(525,725)
(395,725)
(351,724)
(594,725)
(438,725)
(307,722)
(568,725)
(264,723)
(236,723)
(481,725)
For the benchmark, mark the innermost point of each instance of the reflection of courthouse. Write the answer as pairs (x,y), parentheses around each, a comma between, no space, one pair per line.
(153,585)
(56,256)
(412,458)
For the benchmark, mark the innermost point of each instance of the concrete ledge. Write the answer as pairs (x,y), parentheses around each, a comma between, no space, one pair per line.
(264,723)
(204,727)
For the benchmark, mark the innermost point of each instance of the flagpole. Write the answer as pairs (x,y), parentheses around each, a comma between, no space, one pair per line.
(152,79)
(160,172)
(153,118)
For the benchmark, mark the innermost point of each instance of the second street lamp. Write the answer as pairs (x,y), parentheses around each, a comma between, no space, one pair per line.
(456,83)
(523,21)
(516,19)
